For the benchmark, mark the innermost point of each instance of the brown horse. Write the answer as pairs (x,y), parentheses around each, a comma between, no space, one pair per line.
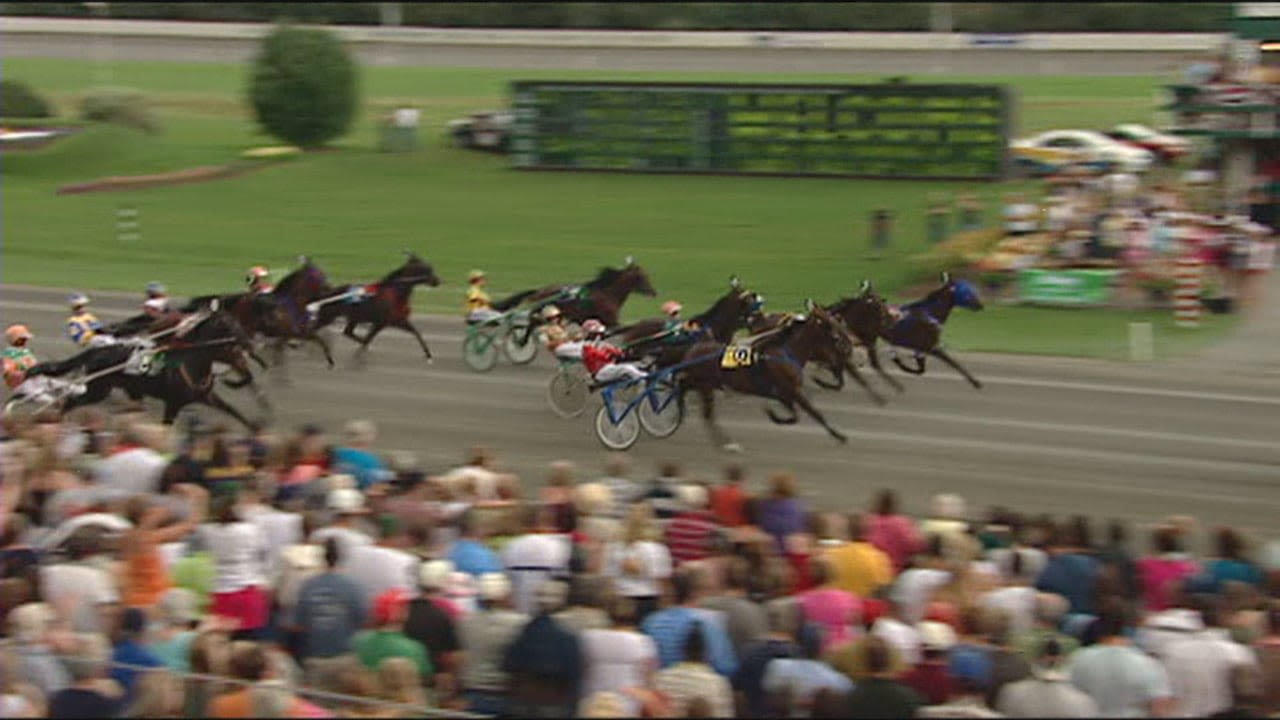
(651,336)
(380,305)
(601,298)
(772,367)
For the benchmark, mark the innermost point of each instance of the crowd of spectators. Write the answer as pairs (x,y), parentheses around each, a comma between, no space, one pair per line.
(191,572)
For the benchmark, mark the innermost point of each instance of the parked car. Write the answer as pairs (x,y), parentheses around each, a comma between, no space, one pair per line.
(1088,147)
(1165,146)
(486,130)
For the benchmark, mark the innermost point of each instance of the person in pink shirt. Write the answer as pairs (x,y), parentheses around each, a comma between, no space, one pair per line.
(1158,573)
(836,611)
(893,534)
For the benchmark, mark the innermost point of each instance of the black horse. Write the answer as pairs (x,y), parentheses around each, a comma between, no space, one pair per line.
(773,368)
(380,305)
(601,298)
(919,326)
(178,372)
(727,314)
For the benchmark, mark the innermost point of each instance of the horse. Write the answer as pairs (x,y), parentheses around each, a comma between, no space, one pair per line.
(919,326)
(726,315)
(601,298)
(380,305)
(179,373)
(216,320)
(279,314)
(864,315)
(772,368)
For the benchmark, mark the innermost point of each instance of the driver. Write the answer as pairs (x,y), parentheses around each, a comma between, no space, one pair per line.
(479,305)
(556,335)
(83,327)
(17,357)
(157,291)
(603,360)
(257,279)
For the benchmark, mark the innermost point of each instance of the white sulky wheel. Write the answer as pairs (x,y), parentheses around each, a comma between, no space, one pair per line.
(567,392)
(661,423)
(617,437)
(480,349)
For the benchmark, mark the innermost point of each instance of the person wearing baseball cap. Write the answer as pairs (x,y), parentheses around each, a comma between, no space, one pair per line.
(387,640)
(971,670)
(485,636)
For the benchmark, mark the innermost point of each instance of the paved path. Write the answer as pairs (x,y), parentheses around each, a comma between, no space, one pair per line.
(1057,435)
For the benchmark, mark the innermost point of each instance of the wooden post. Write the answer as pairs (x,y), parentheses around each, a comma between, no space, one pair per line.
(1186,301)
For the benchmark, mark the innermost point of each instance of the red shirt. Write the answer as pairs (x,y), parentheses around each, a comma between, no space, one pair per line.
(598,354)
(729,504)
(689,536)
(931,679)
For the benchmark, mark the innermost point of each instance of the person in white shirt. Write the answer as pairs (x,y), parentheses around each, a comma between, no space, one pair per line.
(132,467)
(620,657)
(385,566)
(240,567)
(637,563)
(538,555)
(900,635)
(80,586)
(1179,620)
(1201,665)
(348,506)
(1015,596)
(281,529)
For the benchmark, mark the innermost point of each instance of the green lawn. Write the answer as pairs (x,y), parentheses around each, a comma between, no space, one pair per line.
(354,209)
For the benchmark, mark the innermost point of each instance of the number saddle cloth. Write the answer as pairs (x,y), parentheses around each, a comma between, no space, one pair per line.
(743,353)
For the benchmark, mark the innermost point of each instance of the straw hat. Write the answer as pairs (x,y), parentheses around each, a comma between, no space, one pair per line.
(493,587)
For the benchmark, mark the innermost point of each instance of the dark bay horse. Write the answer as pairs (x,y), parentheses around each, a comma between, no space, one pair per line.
(727,314)
(919,326)
(380,305)
(773,369)
(281,314)
(601,298)
(180,372)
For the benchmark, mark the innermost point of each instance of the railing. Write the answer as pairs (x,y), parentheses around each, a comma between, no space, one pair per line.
(1225,110)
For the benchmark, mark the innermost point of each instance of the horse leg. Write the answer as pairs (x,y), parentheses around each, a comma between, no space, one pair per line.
(812,411)
(708,397)
(917,370)
(779,419)
(836,372)
(408,327)
(324,346)
(857,377)
(213,400)
(873,357)
(944,357)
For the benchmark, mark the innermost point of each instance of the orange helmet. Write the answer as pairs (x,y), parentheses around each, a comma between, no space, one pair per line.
(14,333)
(671,307)
(257,272)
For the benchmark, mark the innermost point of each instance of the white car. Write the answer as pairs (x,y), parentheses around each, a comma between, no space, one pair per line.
(1092,147)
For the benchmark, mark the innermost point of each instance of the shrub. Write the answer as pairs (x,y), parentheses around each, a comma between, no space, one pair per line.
(120,106)
(303,87)
(18,100)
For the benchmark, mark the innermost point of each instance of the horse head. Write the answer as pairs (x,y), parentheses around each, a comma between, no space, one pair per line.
(965,295)
(416,271)
(637,279)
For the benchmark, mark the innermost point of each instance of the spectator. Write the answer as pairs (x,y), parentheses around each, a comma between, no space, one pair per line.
(347,504)
(77,582)
(661,494)
(782,513)
(800,680)
(129,653)
(1070,571)
(387,638)
(132,467)
(901,634)
(779,643)
(384,566)
(694,678)
(400,682)
(947,519)
(485,636)
(668,626)
(248,664)
(746,620)
(469,554)
(1048,693)
(1201,665)
(584,602)
(874,665)
(1007,664)
(1050,609)
(210,655)
(1230,563)
(158,695)
(834,610)
(92,694)
(729,500)
(1168,566)
(356,458)
(931,677)
(691,533)
(1015,596)
(619,657)
(892,533)
(622,492)
(638,564)
(1115,555)
(1267,649)
(857,566)
(541,553)
(330,610)
(1180,619)
(1120,679)
(281,529)
(239,553)
(145,576)
(544,661)
(176,621)
(971,672)
(31,627)
(430,623)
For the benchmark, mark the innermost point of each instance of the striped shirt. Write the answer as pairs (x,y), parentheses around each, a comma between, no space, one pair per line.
(689,536)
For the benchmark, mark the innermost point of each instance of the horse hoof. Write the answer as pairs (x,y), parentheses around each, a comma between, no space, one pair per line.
(733,447)
(431,361)
(842,439)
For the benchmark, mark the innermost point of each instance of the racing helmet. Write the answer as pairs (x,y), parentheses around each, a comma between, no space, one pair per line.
(155,289)
(154,306)
(255,273)
(475,275)
(593,327)
(550,312)
(672,308)
(15,333)
(78,300)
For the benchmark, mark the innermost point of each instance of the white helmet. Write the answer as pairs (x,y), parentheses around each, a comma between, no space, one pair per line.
(78,300)
(593,327)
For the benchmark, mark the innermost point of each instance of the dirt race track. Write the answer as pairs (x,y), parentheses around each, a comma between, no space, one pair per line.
(1062,436)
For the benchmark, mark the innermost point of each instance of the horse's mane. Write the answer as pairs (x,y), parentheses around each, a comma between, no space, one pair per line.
(287,283)
(932,296)
(717,306)
(606,277)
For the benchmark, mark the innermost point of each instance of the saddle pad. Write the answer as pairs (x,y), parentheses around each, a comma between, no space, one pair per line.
(737,356)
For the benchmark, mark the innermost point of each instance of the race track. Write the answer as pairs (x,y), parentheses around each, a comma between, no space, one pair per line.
(1106,439)
(968,61)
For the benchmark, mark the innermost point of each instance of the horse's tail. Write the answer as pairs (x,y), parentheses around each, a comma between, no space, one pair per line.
(511,301)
